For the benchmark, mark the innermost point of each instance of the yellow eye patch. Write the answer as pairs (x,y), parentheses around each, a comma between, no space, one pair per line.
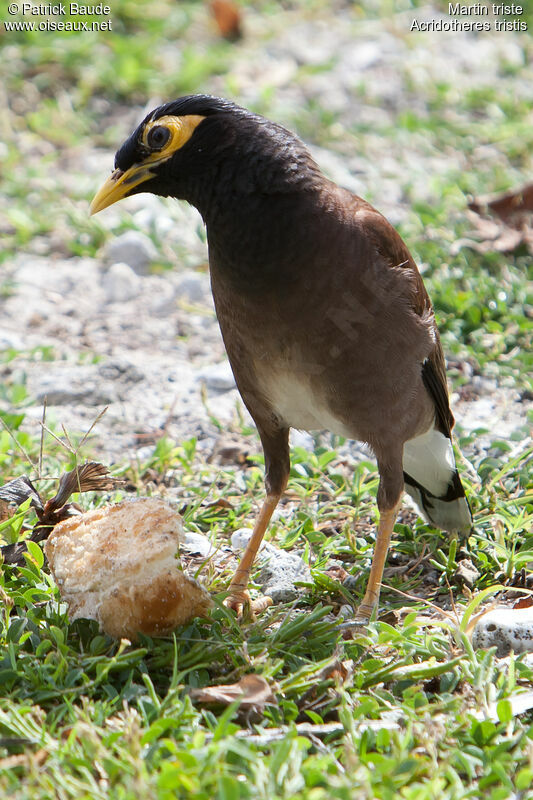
(162,137)
(180,129)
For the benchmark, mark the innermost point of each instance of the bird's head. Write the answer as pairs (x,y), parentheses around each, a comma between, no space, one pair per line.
(170,144)
(190,147)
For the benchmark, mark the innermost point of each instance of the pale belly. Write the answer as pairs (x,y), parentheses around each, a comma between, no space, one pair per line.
(297,406)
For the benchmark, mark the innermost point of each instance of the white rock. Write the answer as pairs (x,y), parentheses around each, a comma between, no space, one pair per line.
(506,629)
(218,377)
(192,287)
(160,295)
(66,384)
(240,538)
(121,283)
(279,569)
(10,340)
(196,544)
(301,439)
(132,248)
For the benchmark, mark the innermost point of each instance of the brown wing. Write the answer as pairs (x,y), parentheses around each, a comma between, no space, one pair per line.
(393,250)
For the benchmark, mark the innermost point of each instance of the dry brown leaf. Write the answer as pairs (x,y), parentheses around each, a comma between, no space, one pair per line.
(337,573)
(220,503)
(509,205)
(523,602)
(227,16)
(253,692)
(6,511)
(502,223)
(89,477)
(232,450)
(339,671)
(24,759)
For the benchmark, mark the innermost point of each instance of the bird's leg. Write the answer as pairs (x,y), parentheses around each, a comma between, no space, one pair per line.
(239,599)
(276,448)
(371,599)
(389,500)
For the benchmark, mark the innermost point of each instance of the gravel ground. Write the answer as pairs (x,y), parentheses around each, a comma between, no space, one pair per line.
(146,344)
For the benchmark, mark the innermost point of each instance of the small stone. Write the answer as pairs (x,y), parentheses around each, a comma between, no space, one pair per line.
(241,537)
(279,573)
(120,370)
(192,287)
(279,569)
(197,545)
(160,296)
(302,439)
(72,386)
(218,377)
(356,59)
(121,283)
(229,451)
(352,582)
(466,573)
(507,629)
(132,248)
(10,340)
(346,612)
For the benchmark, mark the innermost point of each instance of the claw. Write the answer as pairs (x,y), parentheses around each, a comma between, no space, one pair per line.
(240,602)
(243,605)
(261,604)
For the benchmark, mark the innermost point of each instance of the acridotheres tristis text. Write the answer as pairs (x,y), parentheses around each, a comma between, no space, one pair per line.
(323,312)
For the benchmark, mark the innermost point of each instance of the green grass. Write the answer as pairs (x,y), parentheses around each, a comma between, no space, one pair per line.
(83,716)
(405,708)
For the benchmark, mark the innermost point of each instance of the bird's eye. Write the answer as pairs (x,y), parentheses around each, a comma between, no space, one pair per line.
(158,137)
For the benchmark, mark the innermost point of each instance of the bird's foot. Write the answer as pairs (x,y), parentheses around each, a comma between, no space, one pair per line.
(246,609)
(351,622)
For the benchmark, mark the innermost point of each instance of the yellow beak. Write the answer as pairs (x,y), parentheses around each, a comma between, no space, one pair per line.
(118,185)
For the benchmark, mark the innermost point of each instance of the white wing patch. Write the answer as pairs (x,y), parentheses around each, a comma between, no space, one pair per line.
(429,459)
(449,516)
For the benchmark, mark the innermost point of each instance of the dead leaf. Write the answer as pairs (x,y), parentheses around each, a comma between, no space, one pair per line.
(220,503)
(25,759)
(339,671)
(19,490)
(337,573)
(501,223)
(230,451)
(523,602)
(6,511)
(89,477)
(227,16)
(507,205)
(253,692)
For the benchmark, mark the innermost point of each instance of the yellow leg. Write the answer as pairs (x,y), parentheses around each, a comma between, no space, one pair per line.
(239,599)
(371,598)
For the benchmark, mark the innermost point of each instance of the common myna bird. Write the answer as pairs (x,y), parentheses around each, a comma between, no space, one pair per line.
(324,315)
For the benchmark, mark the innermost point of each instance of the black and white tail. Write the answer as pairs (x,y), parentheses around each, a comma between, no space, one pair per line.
(432,480)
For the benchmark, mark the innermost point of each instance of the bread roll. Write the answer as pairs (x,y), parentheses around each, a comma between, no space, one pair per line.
(118,565)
